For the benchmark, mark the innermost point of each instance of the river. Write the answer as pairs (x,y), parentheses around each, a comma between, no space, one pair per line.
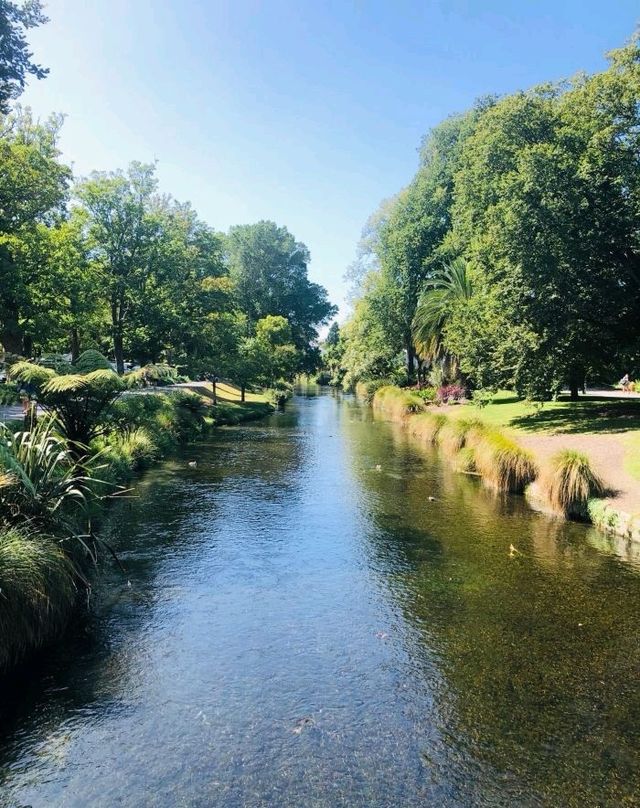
(319,613)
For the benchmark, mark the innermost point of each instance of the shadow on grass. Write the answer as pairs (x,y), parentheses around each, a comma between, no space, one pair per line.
(600,415)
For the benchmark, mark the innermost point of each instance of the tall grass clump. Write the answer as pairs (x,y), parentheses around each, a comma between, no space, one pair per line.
(454,434)
(367,389)
(37,593)
(503,464)
(568,482)
(397,403)
(426,426)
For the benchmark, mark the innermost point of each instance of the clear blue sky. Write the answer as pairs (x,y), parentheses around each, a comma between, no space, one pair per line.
(308,113)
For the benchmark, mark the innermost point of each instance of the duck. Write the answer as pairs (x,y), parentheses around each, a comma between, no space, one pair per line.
(193,463)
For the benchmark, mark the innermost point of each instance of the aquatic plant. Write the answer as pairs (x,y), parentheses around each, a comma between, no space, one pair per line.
(568,482)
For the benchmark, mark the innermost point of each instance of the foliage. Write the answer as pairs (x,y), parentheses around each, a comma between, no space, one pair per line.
(8,394)
(427,426)
(530,202)
(569,482)
(450,392)
(450,286)
(502,463)
(15,58)
(396,402)
(41,482)
(37,581)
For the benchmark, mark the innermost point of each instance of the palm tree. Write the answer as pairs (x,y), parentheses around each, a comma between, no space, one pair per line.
(449,286)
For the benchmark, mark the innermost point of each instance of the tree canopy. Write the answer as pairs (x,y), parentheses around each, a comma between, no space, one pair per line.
(537,195)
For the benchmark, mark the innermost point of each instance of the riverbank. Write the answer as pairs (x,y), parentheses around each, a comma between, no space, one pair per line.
(604,430)
(44,573)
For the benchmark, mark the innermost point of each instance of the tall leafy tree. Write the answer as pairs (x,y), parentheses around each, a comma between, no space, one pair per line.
(33,191)
(270,271)
(122,230)
(15,57)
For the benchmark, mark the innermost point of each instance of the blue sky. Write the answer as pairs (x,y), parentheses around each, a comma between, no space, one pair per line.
(308,113)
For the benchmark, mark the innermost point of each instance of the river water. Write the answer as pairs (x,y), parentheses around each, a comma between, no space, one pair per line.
(300,625)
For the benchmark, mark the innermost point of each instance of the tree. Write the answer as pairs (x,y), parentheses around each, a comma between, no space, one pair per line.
(269,270)
(546,203)
(412,238)
(33,190)
(122,229)
(15,58)
(449,286)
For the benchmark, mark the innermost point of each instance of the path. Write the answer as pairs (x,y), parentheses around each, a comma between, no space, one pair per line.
(607,453)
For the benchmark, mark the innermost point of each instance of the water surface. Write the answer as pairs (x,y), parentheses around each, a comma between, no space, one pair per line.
(303,626)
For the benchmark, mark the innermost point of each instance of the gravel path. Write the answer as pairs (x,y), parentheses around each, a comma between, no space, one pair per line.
(607,454)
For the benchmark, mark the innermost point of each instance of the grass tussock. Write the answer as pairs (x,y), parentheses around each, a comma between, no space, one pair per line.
(568,482)
(396,403)
(503,464)
(426,426)
(465,461)
(454,435)
(37,586)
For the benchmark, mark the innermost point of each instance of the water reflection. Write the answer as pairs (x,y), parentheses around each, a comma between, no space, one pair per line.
(301,625)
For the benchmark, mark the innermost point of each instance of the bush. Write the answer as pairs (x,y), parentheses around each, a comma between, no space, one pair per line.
(9,394)
(465,461)
(37,582)
(427,394)
(450,392)
(568,482)
(503,464)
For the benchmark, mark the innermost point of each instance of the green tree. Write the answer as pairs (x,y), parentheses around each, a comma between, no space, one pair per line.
(15,58)
(33,191)
(448,287)
(123,225)
(269,270)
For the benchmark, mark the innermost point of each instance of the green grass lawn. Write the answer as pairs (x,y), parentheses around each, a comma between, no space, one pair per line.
(586,416)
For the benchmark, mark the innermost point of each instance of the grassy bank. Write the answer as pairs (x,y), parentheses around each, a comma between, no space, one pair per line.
(474,442)
(51,501)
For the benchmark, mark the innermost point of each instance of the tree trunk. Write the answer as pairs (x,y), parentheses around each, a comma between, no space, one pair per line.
(576,382)
(118,349)
(410,357)
(11,337)
(242,391)
(75,345)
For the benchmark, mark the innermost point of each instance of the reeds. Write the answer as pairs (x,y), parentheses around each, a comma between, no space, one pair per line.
(568,482)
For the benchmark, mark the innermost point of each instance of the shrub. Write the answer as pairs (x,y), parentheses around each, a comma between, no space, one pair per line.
(568,482)
(503,464)
(427,394)
(9,394)
(427,425)
(37,582)
(40,480)
(450,392)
